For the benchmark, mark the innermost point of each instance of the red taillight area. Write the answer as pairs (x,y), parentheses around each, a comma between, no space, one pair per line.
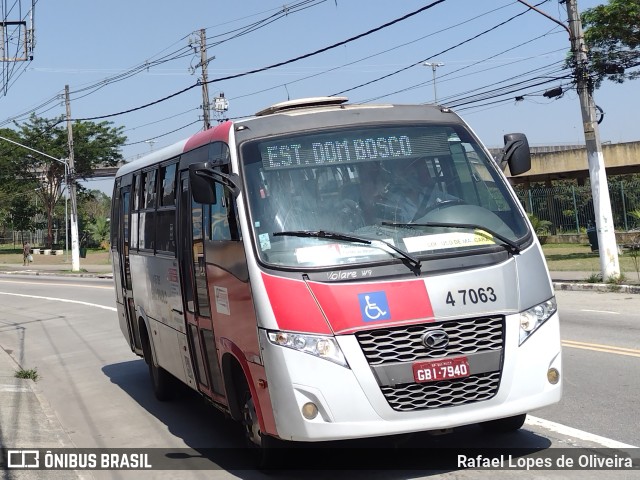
(293,305)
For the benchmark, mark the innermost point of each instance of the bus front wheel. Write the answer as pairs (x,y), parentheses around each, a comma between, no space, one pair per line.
(262,445)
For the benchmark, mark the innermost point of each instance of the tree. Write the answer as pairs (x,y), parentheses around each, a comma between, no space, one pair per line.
(94,208)
(22,213)
(95,144)
(612,34)
(98,231)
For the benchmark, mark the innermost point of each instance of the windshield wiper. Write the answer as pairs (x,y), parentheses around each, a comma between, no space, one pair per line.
(510,245)
(415,263)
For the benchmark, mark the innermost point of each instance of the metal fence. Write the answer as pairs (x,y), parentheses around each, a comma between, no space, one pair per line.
(35,238)
(569,208)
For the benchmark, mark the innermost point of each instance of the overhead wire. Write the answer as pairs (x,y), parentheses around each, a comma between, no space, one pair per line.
(495,27)
(476,17)
(182,52)
(152,62)
(272,66)
(467,67)
(161,135)
(10,67)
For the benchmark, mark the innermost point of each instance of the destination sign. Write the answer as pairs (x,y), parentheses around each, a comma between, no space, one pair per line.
(351,147)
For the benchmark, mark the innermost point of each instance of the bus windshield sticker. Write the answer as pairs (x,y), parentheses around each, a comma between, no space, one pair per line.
(332,252)
(265,242)
(374,306)
(447,240)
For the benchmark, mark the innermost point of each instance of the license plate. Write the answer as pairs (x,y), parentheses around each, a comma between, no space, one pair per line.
(445,369)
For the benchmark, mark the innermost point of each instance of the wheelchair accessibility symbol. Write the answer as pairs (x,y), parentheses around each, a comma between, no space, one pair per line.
(374,306)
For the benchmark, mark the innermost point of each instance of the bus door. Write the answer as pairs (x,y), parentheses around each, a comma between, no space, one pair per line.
(123,280)
(196,298)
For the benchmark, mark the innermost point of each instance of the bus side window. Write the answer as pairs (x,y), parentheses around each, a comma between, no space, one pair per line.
(135,195)
(168,188)
(166,213)
(147,216)
(224,225)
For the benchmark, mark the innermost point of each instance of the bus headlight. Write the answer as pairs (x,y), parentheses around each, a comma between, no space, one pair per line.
(531,319)
(316,345)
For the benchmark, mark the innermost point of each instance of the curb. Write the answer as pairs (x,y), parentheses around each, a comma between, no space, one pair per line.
(596,287)
(38,273)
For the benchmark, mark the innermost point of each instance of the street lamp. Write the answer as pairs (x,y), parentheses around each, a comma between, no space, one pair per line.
(75,255)
(433,69)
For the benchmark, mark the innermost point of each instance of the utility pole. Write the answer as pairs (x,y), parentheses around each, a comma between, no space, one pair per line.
(433,69)
(205,90)
(607,246)
(75,250)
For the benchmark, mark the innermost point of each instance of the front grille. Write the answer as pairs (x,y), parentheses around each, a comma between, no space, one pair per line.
(404,344)
(421,396)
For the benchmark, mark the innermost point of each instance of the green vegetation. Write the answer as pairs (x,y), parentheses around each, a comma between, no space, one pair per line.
(613,40)
(578,257)
(30,374)
(32,185)
(95,256)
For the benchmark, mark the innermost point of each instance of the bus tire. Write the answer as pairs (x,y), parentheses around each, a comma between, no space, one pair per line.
(162,382)
(263,447)
(505,425)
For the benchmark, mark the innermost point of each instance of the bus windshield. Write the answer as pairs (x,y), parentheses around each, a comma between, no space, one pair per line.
(423,189)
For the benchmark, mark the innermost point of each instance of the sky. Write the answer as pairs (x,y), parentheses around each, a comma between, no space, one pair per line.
(121,56)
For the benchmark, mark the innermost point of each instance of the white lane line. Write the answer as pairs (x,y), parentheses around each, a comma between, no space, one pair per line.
(575,433)
(58,284)
(606,312)
(113,309)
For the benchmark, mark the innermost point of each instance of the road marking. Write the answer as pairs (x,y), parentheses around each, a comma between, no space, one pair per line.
(606,312)
(574,432)
(57,284)
(14,389)
(113,309)
(596,347)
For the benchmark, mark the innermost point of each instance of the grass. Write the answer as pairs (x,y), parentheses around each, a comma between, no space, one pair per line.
(10,255)
(30,374)
(560,257)
(576,257)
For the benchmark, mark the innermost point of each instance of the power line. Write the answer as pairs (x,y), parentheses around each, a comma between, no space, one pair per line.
(161,135)
(372,55)
(176,54)
(272,66)
(495,27)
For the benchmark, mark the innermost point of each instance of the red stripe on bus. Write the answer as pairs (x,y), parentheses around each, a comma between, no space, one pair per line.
(406,302)
(294,306)
(218,133)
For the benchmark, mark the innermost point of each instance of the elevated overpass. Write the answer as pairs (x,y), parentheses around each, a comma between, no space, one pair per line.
(570,162)
(548,163)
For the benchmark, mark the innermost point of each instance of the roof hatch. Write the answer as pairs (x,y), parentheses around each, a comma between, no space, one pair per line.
(302,103)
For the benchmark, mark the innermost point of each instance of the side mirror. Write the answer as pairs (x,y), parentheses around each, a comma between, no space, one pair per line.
(203,189)
(516,154)
(204,180)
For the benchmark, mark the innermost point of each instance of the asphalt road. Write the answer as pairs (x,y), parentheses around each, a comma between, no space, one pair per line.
(100,393)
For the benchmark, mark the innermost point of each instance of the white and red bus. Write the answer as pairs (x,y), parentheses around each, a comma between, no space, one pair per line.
(325,270)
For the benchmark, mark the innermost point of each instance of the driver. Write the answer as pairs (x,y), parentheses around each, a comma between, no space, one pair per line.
(412,191)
